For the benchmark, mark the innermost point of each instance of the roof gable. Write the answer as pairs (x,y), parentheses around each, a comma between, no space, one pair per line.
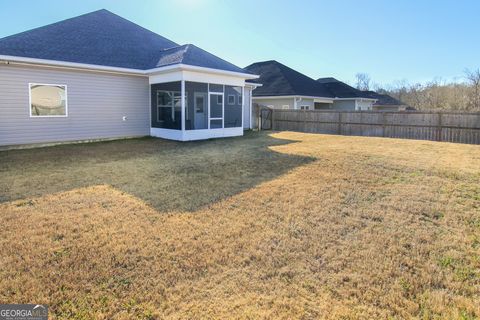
(279,80)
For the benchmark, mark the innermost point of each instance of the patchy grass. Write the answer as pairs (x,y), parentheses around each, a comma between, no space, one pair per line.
(287,225)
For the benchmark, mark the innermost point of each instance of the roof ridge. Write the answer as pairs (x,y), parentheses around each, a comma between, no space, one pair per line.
(81,16)
(51,24)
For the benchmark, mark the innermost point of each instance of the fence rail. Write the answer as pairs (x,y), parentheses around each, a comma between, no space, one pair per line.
(438,126)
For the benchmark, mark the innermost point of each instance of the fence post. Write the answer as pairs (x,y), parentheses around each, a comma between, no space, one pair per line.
(439,127)
(384,124)
(304,120)
(273,119)
(339,129)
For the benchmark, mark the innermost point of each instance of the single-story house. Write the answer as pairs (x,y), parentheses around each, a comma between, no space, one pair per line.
(285,88)
(386,102)
(100,76)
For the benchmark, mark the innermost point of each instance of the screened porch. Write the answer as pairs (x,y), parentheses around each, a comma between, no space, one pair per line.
(207,110)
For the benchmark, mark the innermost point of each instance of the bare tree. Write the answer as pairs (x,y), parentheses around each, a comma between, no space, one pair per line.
(362,81)
(473,78)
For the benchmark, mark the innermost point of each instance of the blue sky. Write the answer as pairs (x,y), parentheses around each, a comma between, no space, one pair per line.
(390,40)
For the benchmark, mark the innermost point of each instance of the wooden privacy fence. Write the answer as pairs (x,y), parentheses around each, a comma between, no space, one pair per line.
(437,126)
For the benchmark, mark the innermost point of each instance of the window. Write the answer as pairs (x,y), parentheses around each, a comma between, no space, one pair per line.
(240,100)
(199,103)
(219,99)
(304,107)
(286,106)
(231,99)
(48,100)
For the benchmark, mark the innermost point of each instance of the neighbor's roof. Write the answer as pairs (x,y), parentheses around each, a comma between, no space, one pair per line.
(340,89)
(279,80)
(383,99)
(106,39)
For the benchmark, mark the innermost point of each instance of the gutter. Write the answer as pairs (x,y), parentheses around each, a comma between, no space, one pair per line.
(14,60)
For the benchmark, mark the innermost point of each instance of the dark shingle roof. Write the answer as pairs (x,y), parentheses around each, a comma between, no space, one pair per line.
(280,80)
(383,99)
(340,89)
(194,56)
(103,38)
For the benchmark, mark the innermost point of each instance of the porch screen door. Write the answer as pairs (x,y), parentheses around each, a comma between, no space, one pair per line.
(215,110)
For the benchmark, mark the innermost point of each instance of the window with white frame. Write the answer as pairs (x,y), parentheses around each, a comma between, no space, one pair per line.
(48,100)
(231,99)
(240,99)
(304,107)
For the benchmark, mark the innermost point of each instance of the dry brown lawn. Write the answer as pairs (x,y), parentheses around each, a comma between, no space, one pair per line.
(275,226)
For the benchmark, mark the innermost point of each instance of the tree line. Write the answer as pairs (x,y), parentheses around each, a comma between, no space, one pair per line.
(437,94)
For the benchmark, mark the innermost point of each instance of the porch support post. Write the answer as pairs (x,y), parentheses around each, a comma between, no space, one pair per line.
(243,105)
(182,105)
(251,107)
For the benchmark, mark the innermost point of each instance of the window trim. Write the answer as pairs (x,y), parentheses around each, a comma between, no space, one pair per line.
(233,99)
(30,84)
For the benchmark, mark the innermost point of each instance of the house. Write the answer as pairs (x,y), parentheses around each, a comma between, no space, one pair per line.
(285,88)
(346,97)
(100,76)
(385,102)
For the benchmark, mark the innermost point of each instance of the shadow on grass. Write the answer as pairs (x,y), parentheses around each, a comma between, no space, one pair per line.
(169,175)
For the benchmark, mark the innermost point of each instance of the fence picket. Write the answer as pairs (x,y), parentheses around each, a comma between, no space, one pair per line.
(440,126)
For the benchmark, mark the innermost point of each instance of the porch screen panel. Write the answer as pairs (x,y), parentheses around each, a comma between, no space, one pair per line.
(166,105)
(216,108)
(196,115)
(233,107)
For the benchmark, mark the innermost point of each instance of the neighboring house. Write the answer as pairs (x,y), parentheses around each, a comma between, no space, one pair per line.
(346,97)
(386,102)
(284,88)
(100,76)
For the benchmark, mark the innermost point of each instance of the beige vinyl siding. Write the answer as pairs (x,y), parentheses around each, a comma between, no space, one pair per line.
(277,103)
(305,102)
(97,103)
(364,105)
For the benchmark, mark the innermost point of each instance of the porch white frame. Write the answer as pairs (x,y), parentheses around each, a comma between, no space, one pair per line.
(207,78)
